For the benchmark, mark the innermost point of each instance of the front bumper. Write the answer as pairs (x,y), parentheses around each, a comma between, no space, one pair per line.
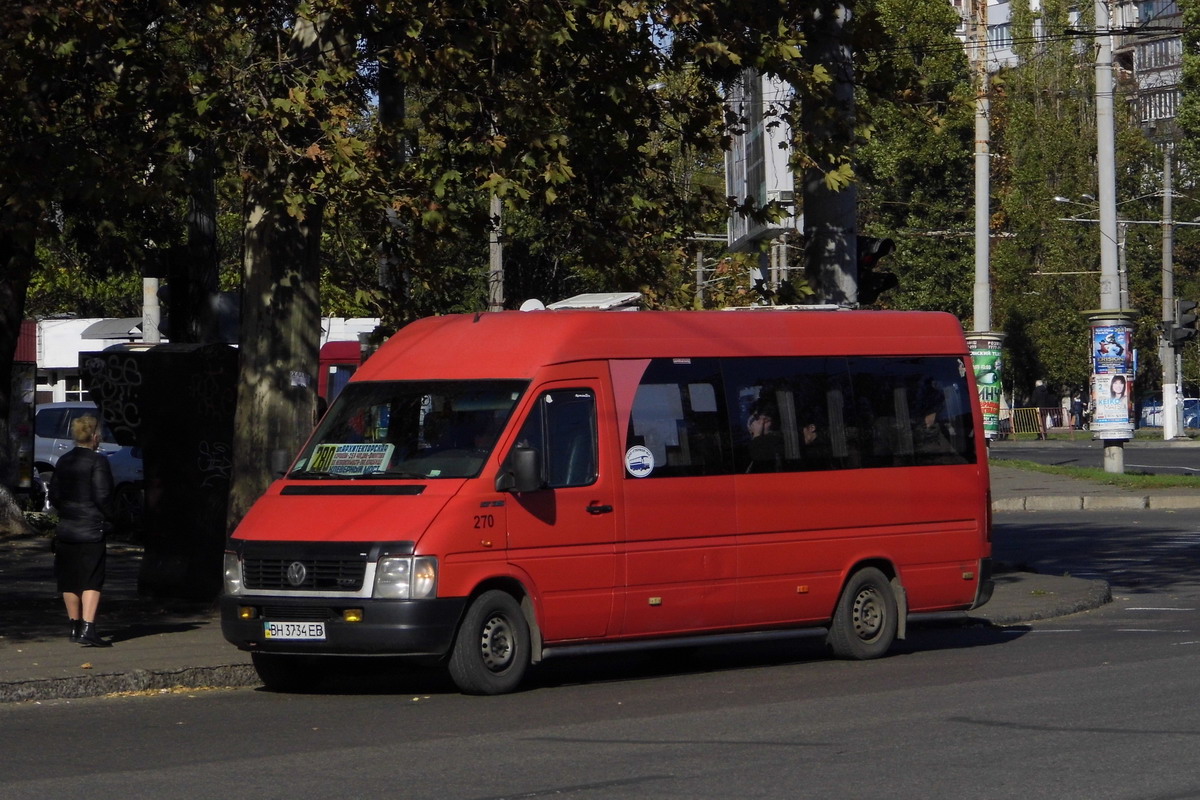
(388,627)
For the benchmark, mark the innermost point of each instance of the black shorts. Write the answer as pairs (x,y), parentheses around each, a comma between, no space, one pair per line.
(79,566)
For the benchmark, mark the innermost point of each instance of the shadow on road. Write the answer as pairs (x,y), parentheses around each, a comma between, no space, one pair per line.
(387,676)
(1135,551)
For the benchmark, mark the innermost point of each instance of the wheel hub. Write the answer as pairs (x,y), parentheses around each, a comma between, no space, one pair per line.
(497,644)
(868,615)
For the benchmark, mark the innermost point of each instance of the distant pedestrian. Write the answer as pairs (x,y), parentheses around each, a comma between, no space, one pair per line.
(1041,395)
(81,490)
(1040,402)
(1077,410)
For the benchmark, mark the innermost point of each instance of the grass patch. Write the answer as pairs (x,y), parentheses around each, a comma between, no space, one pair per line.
(1130,480)
(1061,435)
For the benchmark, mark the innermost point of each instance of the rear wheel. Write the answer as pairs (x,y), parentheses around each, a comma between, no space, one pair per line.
(864,624)
(491,651)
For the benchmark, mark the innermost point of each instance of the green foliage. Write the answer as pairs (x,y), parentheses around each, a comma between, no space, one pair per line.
(916,168)
(598,124)
(1188,117)
(1045,266)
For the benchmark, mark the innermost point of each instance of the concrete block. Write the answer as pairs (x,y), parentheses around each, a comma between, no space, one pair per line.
(1053,503)
(1107,502)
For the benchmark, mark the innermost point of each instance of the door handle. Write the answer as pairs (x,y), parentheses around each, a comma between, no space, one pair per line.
(594,508)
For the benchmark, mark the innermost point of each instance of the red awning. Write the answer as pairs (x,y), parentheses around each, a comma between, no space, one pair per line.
(27,343)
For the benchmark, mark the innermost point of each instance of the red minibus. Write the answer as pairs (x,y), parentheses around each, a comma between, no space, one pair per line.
(337,362)
(490,489)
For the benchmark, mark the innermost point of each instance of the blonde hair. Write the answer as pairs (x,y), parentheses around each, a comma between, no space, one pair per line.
(84,428)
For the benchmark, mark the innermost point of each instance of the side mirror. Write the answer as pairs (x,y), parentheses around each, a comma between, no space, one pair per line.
(522,471)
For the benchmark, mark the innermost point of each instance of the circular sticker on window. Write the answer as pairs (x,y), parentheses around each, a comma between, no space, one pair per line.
(639,461)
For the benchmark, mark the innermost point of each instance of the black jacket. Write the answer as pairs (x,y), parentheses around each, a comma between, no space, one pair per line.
(81,489)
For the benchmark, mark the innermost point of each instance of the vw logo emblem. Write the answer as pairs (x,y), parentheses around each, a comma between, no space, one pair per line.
(296,573)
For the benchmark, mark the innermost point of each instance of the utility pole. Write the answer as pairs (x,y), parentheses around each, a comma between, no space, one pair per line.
(151,311)
(1172,407)
(495,258)
(983,241)
(1112,362)
(985,344)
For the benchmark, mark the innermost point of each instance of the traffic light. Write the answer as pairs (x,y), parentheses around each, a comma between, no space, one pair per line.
(871,283)
(1184,328)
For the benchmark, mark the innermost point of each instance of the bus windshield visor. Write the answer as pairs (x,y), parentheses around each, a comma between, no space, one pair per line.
(410,429)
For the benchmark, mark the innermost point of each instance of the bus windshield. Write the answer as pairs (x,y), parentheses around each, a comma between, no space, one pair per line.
(410,429)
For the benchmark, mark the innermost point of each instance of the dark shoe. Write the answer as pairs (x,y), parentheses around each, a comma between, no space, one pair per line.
(76,630)
(90,638)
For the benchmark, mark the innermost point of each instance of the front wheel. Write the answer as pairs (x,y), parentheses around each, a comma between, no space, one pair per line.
(864,623)
(491,650)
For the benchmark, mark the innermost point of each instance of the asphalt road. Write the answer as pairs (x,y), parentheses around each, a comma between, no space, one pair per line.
(1097,705)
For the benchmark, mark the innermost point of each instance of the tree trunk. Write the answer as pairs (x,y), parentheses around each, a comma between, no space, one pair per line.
(193,278)
(830,224)
(281,324)
(16,267)
(281,312)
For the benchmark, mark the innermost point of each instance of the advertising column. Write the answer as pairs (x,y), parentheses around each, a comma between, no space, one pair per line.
(1112,379)
(985,355)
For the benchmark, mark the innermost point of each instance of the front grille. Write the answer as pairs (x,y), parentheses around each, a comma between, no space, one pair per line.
(312,574)
(298,614)
(283,566)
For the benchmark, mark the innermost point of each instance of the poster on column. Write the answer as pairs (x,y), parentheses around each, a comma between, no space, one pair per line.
(1110,399)
(988,366)
(1111,350)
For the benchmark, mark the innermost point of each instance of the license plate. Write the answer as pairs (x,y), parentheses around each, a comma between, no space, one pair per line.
(294,630)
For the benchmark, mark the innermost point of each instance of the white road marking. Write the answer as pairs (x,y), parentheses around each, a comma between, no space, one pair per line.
(1152,608)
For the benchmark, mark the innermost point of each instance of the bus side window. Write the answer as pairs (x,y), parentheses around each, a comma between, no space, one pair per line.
(562,428)
(679,416)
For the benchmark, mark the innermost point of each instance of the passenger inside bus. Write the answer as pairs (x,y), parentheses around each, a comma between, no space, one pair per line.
(814,443)
(930,442)
(766,443)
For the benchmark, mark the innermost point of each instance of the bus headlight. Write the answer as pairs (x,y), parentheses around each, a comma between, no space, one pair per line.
(233,573)
(407,578)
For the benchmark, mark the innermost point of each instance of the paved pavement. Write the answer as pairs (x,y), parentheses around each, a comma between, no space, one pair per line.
(160,645)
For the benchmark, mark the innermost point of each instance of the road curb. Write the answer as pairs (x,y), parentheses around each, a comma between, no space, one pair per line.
(1173,502)
(1031,597)
(1104,502)
(1096,503)
(138,680)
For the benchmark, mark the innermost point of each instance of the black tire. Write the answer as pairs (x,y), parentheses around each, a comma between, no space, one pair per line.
(864,623)
(287,673)
(491,650)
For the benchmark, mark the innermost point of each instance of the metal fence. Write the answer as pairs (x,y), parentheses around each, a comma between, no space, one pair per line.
(1033,420)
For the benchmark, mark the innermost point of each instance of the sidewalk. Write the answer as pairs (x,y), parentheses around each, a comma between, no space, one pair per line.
(1024,490)
(160,645)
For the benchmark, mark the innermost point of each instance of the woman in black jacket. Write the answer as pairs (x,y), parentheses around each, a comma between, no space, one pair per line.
(81,490)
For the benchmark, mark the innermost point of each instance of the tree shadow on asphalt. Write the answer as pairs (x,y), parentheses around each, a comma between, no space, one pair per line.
(31,609)
(1126,548)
